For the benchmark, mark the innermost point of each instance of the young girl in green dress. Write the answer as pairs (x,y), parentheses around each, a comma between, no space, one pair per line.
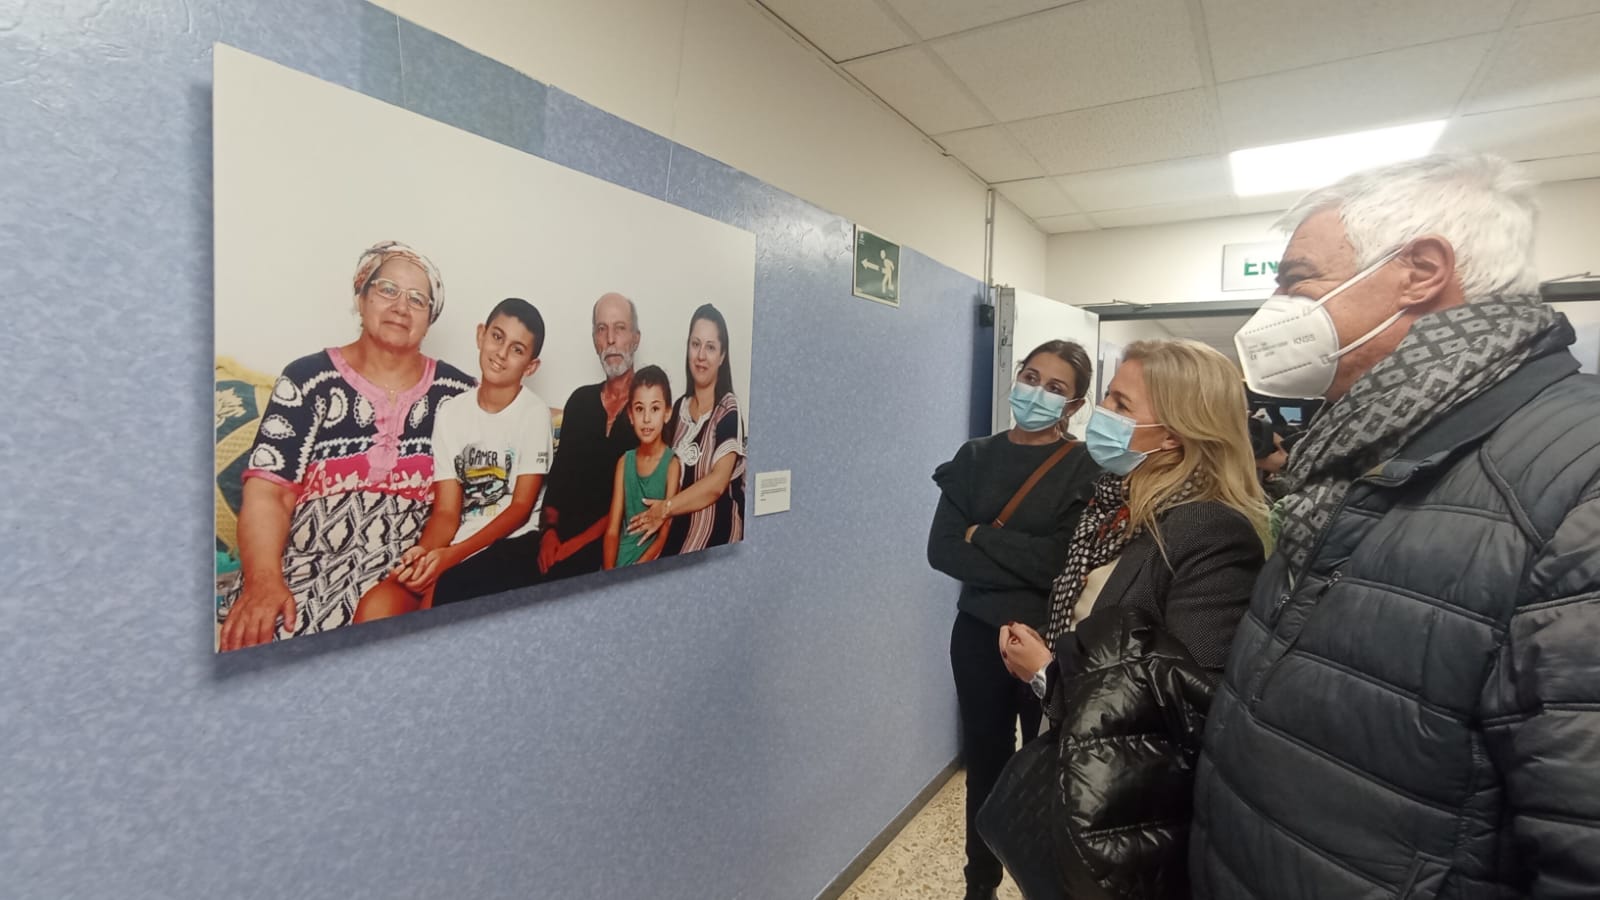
(650,472)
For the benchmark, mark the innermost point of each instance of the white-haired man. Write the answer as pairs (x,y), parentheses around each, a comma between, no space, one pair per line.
(1412,706)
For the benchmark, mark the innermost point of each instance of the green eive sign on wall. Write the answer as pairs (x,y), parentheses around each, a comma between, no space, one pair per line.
(877,268)
(1251,267)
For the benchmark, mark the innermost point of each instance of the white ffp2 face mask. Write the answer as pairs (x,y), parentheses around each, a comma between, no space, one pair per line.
(1290,348)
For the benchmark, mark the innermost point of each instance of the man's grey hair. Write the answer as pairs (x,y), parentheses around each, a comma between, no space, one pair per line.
(633,308)
(1482,205)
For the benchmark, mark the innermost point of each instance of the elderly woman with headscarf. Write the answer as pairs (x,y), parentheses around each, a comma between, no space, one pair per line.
(340,479)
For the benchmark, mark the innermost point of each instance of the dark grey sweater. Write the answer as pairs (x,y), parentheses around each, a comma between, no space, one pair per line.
(1005,573)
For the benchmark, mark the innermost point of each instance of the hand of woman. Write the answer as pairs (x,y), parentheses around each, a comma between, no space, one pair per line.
(1023,651)
(254,617)
(423,570)
(648,522)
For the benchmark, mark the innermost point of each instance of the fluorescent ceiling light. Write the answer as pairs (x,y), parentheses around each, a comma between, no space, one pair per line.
(1306,165)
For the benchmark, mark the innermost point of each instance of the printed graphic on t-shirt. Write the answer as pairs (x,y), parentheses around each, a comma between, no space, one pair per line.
(485,478)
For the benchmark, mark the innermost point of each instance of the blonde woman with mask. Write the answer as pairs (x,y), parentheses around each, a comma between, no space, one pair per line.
(1157,577)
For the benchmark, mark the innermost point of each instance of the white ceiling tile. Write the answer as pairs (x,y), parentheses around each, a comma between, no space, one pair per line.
(1257,37)
(1533,132)
(1550,10)
(1087,54)
(843,29)
(1179,181)
(911,81)
(1171,126)
(1393,88)
(1171,212)
(935,18)
(1040,198)
(1544,63)
(992,153)
(1564,168)
(1064,224)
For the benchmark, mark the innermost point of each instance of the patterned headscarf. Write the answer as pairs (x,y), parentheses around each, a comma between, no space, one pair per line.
(1448,358)
(375,256)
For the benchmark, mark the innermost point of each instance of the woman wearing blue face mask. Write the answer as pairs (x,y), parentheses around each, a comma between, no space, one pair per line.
(1141,616)
(1007,507)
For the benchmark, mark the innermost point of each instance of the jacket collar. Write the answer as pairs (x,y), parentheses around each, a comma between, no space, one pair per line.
(1474,420)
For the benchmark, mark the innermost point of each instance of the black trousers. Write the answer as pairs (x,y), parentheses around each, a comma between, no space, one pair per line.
(505,565)
(992,700)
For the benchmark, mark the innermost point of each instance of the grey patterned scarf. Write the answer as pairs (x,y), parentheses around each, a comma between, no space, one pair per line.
(1448,358)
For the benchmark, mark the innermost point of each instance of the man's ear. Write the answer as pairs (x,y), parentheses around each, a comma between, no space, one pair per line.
(1430,267)
(533,366)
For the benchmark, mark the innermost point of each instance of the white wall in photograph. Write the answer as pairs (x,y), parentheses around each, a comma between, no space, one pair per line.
(309,174)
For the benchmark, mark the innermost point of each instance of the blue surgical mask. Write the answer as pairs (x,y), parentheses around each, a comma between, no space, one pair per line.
(1035,408)
(1107,439)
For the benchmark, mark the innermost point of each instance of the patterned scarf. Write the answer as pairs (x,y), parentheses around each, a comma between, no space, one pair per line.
(1448,358)
(1101,535)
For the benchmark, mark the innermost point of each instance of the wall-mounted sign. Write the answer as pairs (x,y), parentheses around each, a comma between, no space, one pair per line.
(877,268)
(1251,267)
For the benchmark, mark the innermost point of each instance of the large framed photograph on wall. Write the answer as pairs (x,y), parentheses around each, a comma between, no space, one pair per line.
(447,368)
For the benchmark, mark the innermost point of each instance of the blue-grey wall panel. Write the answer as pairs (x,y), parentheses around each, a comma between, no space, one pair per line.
(594,141)
(350,43)
(734,724)
(445,81)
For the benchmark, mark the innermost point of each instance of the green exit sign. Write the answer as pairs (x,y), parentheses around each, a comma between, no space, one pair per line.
(1251,267)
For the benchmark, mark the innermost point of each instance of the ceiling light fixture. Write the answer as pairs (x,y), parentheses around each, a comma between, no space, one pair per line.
(1306,165)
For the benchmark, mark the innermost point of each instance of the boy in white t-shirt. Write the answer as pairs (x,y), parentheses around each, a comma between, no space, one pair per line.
(491,450)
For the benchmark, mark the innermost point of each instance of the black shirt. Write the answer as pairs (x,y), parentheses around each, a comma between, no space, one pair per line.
(585,467)
(1005,573)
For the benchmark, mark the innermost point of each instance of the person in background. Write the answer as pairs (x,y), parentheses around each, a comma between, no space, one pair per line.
(340,481)
(709,443)
(594,435)
(1412,706)
(649,472)
(1161,563)
(491,448)
(1006,567)
(1266,442)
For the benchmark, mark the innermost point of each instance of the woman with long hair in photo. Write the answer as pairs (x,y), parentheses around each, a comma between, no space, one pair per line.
(1007,506)
(1141,617)
(708,440)
(340,480)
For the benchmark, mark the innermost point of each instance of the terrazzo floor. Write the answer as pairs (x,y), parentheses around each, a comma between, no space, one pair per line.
(925,859)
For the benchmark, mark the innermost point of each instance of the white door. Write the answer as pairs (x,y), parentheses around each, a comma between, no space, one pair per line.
(1023,321)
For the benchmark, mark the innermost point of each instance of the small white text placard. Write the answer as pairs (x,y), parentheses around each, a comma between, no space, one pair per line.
(772,492)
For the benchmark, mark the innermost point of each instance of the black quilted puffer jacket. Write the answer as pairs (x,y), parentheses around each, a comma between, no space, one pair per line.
(1129,725)
(1416,714)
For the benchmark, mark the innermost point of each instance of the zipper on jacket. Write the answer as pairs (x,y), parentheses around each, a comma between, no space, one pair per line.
(1277,608)
(1264,675)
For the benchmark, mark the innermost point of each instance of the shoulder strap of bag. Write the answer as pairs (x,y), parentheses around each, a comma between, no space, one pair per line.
(1032,482)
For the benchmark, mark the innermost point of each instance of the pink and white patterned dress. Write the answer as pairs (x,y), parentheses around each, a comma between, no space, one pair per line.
(361,468)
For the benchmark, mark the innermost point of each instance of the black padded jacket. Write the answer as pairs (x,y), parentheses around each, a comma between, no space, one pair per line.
(1416,713)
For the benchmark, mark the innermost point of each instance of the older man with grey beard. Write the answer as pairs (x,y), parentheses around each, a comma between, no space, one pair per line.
(594,434)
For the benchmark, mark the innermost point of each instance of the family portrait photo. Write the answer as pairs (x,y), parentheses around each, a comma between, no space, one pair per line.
(446,368)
